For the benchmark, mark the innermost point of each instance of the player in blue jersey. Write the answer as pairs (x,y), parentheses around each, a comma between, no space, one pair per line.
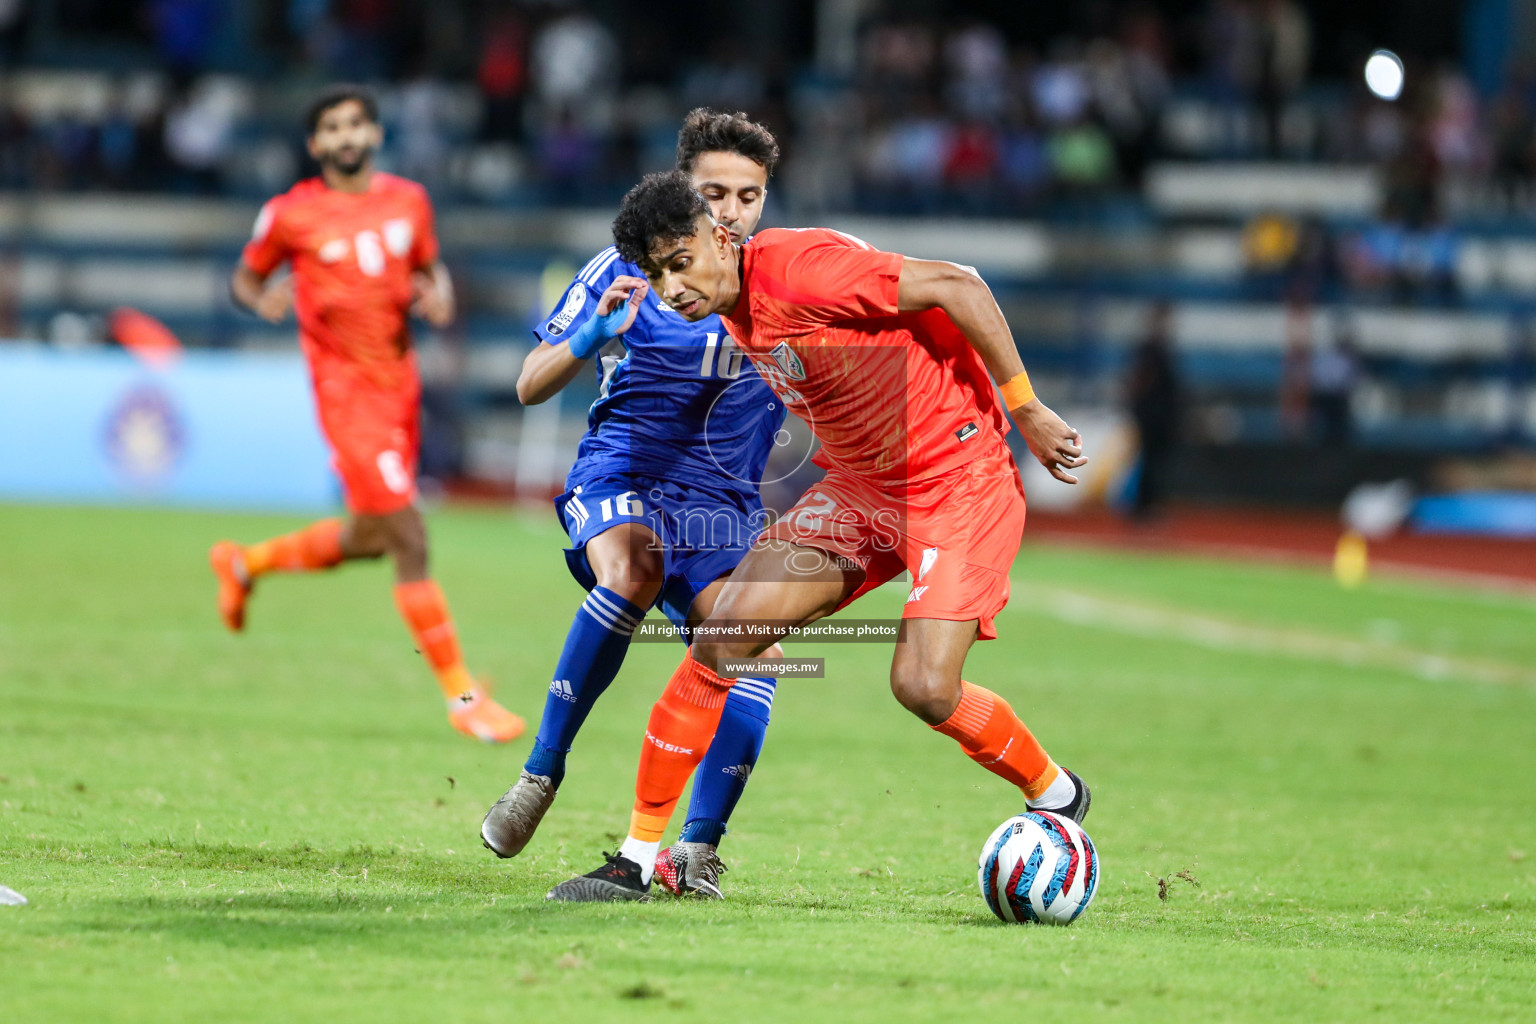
(661,503)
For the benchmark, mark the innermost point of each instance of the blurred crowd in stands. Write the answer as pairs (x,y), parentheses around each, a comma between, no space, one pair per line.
(544,102)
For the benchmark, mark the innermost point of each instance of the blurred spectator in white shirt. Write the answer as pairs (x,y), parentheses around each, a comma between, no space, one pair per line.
(574,59)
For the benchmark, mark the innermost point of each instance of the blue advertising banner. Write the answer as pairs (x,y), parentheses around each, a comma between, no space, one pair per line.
(223,429)
(1494,513)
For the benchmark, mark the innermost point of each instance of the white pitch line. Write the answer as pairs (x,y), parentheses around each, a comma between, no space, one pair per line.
(1221,635)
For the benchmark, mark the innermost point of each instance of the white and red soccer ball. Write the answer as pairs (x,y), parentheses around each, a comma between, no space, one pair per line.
(1038,867)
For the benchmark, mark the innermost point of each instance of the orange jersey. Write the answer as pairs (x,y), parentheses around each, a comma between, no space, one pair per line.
(352,256)
(893,397)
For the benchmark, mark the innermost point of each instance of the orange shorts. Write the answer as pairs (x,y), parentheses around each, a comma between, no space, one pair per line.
(375,435)
(957,534)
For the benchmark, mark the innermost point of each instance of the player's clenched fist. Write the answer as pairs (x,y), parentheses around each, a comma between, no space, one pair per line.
(1057,446)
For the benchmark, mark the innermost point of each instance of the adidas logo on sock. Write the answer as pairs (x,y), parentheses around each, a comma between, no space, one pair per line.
(741,771)
(562,688)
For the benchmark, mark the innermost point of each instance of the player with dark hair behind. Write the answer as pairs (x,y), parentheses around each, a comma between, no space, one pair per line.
(364,257)
(662,501)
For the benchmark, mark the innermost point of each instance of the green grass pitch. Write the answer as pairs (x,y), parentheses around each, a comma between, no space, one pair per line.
(1332,789)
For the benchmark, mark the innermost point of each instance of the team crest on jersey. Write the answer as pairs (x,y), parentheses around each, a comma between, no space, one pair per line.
(574,300)
(788,361)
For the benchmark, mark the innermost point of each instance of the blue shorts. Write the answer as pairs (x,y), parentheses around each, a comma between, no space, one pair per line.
(703,535)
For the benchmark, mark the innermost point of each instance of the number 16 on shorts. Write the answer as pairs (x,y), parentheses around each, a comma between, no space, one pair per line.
(591,507)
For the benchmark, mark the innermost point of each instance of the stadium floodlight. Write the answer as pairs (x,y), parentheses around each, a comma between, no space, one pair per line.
(1384,75)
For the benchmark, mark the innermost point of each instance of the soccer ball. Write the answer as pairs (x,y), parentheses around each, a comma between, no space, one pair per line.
(1038,867)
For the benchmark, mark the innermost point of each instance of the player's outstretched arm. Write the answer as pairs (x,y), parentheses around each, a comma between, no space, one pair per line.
(250,289)
(961,293)
(549,368)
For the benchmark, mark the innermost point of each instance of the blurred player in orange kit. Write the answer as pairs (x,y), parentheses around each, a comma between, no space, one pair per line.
(364,257)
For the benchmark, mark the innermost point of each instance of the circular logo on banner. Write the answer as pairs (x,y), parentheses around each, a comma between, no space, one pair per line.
(145,436)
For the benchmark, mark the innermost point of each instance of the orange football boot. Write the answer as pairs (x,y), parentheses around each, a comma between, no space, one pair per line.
(234,585)
(476,714)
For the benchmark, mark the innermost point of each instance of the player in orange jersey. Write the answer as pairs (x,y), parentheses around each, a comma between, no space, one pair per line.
(364,257)
(887,358)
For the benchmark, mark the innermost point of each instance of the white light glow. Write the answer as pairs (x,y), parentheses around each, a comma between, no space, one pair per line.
(1384,75)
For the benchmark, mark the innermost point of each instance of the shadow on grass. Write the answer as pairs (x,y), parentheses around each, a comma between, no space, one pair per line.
(420,926)
(301,895)
(217,856)
(398,912)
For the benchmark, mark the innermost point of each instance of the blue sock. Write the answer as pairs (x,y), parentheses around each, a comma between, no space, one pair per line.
(594,650)
(722,775)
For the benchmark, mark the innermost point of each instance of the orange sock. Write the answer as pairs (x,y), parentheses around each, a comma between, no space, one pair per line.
(683,721)
(317,546)
(992,736)
(425,610)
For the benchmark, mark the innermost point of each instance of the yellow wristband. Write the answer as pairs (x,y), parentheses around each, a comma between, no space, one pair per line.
(1017,391)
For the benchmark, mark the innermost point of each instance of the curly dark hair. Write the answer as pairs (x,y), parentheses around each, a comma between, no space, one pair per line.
(714,131)
(664,207)
(335,96)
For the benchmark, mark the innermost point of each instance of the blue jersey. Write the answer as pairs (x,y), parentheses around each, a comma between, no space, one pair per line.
(677,400)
